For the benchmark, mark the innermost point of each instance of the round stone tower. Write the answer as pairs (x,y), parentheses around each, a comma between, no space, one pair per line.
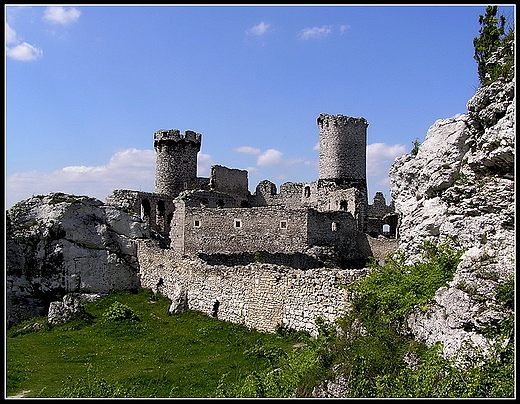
(343,159)
(343,143)
(175,160)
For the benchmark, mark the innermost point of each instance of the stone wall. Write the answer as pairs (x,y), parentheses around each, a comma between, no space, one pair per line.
(229,180)
(274,229)
(156,210)
(259,296)
(234,230)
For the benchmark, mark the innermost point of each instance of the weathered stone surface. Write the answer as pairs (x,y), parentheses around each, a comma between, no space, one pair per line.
(259,296)
(70,308)
(461,183)
(179,298)
(61,243)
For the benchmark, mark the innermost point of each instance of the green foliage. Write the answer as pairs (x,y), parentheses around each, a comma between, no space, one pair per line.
(259,258)
(92,386)
(392,291)
(281,379)
(416,144)
(285,331)
(119,311)
(160,356)
(506,293)
(492,38)
(374,350)
(271,353)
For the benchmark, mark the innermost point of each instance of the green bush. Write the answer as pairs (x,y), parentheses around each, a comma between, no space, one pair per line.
(119,311)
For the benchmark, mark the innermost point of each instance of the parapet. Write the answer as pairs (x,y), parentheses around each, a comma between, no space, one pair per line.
(175,136)
(326,120)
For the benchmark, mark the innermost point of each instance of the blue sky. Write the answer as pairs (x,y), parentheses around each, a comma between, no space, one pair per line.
(87,86)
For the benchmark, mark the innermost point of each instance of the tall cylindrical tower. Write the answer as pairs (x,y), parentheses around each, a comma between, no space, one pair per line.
(175,160)
(343,142)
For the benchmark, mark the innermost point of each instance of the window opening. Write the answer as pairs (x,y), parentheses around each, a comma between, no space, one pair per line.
(238,223)
(283,224)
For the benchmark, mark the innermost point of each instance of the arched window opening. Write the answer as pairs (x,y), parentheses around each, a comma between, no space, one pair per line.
(386,228)
(343,205)
(307,191)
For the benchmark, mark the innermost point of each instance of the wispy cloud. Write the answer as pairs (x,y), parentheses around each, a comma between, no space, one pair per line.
(271,157)
(380,157)
(259,29)
(248,150)
(321,32)
(127,169)
(315,32)
(18,50)
(343,28)
(61,15)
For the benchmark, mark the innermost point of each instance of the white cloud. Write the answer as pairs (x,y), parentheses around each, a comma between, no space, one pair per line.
(259,29)
(24,52)
(17,50)
(247,150)
(10,35)
(61,15)
(380,157)
(343,28)
(271,157)
(204,163)
(127,169)
(315,32)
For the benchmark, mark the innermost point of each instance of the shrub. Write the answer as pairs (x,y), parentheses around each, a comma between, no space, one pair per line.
(494,48)
(119,311)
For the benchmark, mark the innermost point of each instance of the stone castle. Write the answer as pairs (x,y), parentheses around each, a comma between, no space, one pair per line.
(202,217)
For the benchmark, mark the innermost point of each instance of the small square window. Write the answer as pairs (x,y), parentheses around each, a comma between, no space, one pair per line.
(196,223)
(283,224)
(238,223)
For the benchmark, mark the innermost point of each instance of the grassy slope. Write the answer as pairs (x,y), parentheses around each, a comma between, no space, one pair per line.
(183,355)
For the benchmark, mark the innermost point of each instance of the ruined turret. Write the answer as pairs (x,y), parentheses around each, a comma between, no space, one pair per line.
(176,160)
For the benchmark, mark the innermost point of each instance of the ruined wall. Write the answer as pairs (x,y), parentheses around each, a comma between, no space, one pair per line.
(229,180)
(259,296)
(234,230)
(156,210)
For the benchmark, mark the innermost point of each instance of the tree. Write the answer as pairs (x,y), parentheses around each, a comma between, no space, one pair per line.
(492,37)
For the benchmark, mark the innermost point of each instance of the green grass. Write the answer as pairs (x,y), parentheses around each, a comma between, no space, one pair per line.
(182,355)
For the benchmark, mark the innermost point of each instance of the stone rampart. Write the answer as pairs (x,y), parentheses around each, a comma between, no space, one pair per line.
(259,296)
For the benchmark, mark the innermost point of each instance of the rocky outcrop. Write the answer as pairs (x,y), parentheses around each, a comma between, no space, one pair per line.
(70,308)
(461,183)
(58,243)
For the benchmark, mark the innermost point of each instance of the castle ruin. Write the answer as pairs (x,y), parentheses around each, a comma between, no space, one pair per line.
(328,218)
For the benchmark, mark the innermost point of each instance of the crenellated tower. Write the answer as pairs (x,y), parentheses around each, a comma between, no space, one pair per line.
(176,160)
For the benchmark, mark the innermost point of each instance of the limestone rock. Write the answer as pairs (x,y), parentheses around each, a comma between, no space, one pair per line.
(58,243)
(460,183)
(179,298)
(70,308)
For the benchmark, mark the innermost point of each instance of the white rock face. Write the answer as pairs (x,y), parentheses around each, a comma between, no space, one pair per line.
(61,243)
(461,183)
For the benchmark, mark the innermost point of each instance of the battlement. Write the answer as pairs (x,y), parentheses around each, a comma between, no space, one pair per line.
(176,136)
(326,120)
